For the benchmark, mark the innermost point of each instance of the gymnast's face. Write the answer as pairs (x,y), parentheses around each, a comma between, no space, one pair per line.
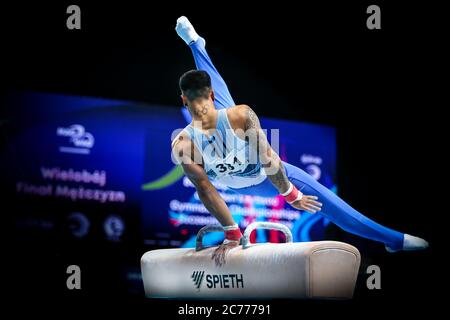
(199,101)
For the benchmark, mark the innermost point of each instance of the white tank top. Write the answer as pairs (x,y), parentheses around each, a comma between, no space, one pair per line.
(226,156)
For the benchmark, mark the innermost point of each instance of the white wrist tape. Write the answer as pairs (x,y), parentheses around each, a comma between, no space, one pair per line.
(232,227)
(289,190)
(299,196)
(292,194)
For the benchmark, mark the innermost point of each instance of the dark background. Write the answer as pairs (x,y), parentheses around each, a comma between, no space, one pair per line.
(309,61)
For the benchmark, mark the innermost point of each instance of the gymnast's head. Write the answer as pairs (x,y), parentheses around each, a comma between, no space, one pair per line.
(196,90)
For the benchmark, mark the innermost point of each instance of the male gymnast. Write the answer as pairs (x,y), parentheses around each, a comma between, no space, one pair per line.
(217,144)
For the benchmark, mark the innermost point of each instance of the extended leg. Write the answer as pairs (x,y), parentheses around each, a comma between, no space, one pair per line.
(343,215)
(203,62)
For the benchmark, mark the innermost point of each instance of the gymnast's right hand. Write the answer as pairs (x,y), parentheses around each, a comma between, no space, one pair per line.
(308,203)
(219,255)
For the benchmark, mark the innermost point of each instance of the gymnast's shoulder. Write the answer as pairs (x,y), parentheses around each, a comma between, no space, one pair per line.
(181,142)
(238,115)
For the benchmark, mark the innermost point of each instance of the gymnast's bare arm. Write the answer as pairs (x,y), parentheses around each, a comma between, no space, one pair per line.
(185,153)
(245,122)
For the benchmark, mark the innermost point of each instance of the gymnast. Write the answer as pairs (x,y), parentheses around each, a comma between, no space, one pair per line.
(216,146)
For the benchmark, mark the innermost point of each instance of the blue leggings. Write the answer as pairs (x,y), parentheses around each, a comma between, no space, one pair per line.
(333,208)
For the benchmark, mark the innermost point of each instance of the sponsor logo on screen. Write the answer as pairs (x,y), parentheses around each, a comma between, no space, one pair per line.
(312,164)
(114,227)
(215,281)
(81,141)
(78,224)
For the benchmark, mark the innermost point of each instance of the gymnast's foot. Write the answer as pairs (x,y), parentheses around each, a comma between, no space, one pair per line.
(186,30)
(411,243)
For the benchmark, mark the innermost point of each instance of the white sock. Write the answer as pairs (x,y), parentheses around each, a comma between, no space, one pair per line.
(414,243)
(411,243)
(186,30)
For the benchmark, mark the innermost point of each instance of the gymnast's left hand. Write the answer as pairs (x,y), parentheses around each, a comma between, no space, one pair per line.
(221,251)
(308,203)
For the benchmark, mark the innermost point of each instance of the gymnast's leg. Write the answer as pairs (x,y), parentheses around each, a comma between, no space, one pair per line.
(203,62)
(343,215)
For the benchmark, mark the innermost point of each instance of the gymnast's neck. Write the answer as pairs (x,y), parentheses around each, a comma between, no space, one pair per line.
(205,114)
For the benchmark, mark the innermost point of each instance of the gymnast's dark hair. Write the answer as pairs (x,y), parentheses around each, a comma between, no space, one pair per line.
(195,84)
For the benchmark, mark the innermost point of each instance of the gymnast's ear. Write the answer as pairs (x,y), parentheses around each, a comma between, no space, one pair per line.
(184,99)
(213,97)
